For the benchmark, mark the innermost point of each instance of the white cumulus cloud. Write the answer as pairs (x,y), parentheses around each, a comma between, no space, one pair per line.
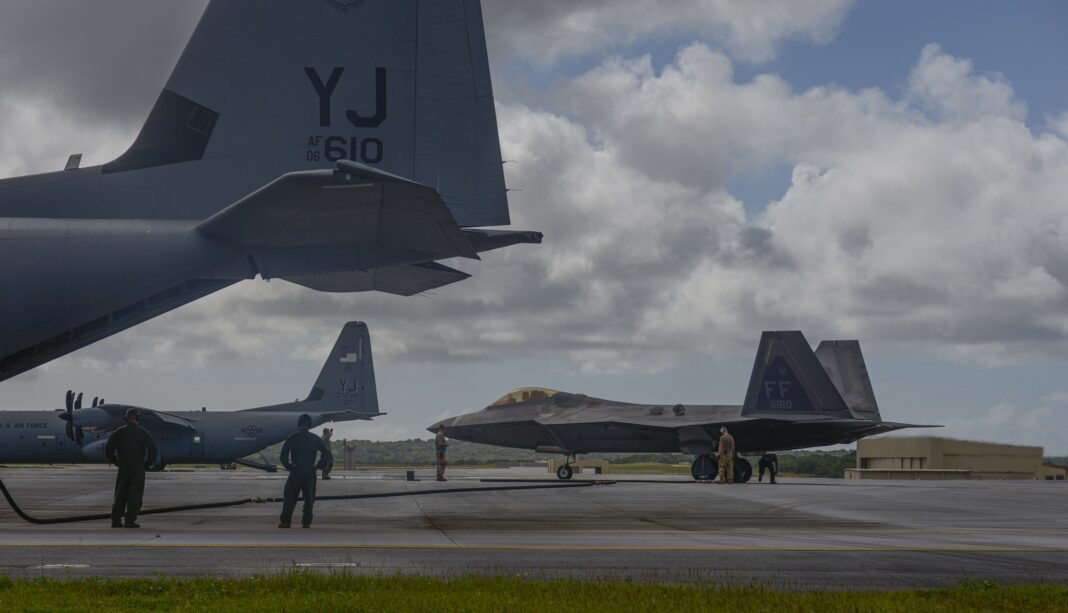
(546,31)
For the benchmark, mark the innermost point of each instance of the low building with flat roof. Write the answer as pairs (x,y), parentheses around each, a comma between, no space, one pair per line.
(935,458)
(1053,472)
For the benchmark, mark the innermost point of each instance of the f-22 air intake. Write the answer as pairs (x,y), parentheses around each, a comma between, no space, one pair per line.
(341,146)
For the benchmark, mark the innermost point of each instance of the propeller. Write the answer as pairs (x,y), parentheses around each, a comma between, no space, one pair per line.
(69,415)
(73,404)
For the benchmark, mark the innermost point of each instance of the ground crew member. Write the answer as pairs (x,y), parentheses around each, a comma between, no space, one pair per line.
(299,455)
(440,445)
(132,449)
(328,461)
(726,456)
(769,462)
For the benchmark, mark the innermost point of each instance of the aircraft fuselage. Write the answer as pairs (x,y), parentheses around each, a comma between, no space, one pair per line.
(40,437)
(601,426)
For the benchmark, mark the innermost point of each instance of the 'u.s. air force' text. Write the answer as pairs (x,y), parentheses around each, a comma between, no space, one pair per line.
(334,147)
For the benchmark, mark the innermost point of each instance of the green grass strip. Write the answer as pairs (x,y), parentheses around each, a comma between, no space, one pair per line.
(324,592)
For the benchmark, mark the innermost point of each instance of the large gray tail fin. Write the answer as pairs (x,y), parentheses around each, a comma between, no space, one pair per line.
(347,381)
(267,87)
(788,379)
(844,363)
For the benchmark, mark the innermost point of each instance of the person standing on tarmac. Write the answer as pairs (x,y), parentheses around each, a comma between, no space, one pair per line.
(726,456)
(769,462)
(299,455)
(132,449)
(440,445)
(328,461)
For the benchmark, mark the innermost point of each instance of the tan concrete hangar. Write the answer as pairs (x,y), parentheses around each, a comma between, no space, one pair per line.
(797,398)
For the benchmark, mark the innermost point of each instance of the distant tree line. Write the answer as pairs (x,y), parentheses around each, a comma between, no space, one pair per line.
(418,452)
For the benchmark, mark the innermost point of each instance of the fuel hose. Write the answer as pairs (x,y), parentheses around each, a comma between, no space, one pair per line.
(44,521)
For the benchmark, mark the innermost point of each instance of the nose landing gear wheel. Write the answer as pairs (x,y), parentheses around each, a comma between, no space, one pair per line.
(743,470)
(704,468)
(565,472)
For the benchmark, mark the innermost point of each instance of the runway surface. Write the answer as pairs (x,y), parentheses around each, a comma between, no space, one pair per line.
(803,533)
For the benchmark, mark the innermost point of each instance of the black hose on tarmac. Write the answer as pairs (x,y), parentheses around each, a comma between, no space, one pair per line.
(44,521)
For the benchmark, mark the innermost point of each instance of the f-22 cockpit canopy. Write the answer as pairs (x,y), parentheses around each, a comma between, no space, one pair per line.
(524,394)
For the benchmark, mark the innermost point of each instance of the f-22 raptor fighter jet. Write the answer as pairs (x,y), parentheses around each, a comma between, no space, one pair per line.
(344,391)
(344,146)
(797,398)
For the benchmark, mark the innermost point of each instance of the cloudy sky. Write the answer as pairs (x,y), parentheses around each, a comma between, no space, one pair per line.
(893,172)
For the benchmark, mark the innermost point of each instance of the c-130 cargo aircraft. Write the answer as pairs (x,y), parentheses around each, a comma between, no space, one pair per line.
(797,398)
(344,391)
(345,146)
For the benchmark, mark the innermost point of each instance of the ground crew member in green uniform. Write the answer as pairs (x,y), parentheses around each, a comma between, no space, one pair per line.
(769,462)
(300,456)
(132,449)
(726,456)
(328,462)
(440,445)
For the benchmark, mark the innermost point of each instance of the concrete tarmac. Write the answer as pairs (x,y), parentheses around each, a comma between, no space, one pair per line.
(801,533)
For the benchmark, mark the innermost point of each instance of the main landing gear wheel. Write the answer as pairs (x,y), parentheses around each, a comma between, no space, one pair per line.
(704,468)
(743,470)
(565,472)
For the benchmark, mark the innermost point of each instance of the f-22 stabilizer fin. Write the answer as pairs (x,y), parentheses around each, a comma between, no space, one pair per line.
(788,379)
(845,365)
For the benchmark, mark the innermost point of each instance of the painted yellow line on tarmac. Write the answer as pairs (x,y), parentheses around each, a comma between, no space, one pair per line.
(548,548)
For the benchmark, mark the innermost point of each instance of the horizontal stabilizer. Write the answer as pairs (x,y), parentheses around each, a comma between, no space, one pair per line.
(844,364)
(353,205)
(399,280)
(788,380)
(488,240)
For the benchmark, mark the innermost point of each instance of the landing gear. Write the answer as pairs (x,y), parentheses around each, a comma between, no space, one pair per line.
(565,471)
(743,470)
(704,468)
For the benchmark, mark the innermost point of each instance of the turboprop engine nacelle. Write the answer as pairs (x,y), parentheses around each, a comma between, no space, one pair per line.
(96,418)
(95,451)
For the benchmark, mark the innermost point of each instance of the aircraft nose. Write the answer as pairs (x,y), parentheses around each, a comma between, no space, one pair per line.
(445,422)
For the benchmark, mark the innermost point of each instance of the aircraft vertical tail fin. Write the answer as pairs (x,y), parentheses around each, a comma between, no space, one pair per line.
(788,379)
(845,365)
(347,381)
(267,87)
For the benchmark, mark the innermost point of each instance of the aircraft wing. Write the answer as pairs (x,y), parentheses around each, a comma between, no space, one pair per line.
(642,417)
(159,420)
(354,204)
(696,433)
(111,416)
